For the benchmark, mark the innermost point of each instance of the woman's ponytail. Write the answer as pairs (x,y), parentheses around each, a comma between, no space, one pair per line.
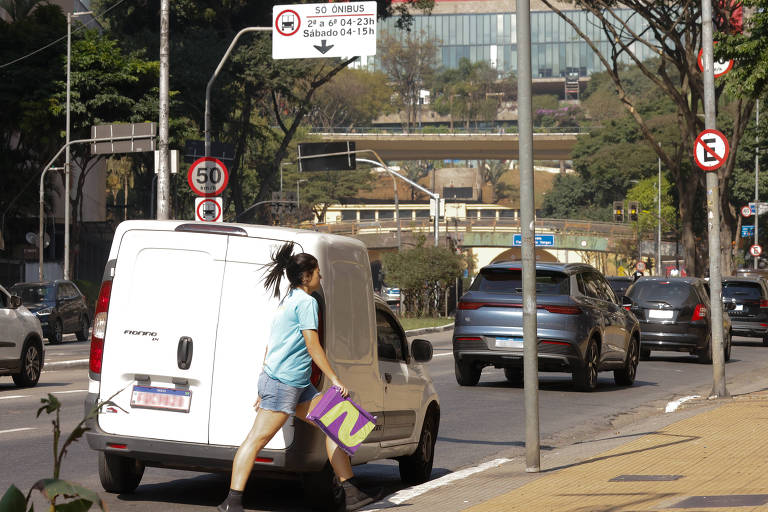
(281,258)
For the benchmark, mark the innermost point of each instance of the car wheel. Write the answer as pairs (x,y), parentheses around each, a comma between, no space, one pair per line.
(765,340)
(645,354)
(466,374)
(31,365)
(82,334)
(322,490)
(417,468)
(514,375)
(705,354)
(727,348)
(119,474)
(57,334)
(585,378)
(626,376)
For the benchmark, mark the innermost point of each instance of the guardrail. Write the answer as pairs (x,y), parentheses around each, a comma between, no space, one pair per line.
(398,130)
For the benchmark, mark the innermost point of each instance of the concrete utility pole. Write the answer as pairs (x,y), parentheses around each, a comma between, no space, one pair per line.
(757,170)
(713,212)
(527,218)
(67,156)
(163,173)
(658,233)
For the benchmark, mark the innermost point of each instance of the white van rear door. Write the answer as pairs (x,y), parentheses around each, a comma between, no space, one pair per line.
(243,333)
(167,286)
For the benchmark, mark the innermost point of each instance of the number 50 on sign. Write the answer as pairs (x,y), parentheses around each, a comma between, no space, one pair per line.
(208,176)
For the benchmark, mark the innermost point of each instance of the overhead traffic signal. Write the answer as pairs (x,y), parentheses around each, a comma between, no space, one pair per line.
(634,207)
(618,211)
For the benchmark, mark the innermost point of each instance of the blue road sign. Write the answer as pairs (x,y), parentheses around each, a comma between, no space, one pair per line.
(747,231)
(538,240)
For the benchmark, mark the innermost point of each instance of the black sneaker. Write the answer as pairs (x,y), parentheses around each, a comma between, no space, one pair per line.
(356,498)
(228,507)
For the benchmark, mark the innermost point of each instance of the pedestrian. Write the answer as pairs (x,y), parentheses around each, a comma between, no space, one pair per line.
(284,387)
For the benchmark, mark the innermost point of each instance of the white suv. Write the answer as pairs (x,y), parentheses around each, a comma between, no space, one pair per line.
(21,341)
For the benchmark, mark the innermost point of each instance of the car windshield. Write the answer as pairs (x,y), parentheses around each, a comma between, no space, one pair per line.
(502,280)
(741,290)
(34,294)
(676,294)
(619,286)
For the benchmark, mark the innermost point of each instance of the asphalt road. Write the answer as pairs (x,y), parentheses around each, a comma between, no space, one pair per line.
(478,424)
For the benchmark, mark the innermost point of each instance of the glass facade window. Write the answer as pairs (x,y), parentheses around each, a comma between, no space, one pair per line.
(507,214)
(488,214)
(422,214)
(367,214)
(348,215)
(555,45)
(386,214)
(406,214)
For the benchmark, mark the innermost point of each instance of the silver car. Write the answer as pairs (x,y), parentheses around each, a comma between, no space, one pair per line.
(581,326)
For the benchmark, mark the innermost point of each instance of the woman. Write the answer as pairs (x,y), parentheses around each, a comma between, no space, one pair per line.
(284,386)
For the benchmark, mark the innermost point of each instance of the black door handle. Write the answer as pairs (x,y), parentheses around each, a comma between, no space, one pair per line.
(388,377)
(184,353)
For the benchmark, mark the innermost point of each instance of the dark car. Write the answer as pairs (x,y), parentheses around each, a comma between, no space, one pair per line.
(748,301)
(674,315)
(619,284)
(59,306)
(581,326)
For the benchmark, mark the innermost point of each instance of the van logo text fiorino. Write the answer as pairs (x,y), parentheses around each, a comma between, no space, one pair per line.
(131,332)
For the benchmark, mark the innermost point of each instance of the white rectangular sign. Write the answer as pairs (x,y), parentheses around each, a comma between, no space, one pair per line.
(341,29)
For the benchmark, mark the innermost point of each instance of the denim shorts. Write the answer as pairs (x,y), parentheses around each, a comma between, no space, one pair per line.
(277,396)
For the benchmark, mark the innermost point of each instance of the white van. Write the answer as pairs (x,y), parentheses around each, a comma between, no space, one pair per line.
(178,341)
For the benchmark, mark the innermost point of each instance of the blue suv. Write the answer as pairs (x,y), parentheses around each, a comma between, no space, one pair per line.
(582,328)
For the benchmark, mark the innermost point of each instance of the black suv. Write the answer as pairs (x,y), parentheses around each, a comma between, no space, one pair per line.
(748,299)
(59,306)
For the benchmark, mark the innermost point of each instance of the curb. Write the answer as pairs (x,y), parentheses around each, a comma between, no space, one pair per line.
(426,330)
(63,365)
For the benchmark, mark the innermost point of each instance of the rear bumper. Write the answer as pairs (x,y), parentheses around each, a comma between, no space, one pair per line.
(652,338)
(750,329)
(307,453)
(548,362)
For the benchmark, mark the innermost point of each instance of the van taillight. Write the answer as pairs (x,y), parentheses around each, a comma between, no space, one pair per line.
(700,313)
(764,304)
(99,327)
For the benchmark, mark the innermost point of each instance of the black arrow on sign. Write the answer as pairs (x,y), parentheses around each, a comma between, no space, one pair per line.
(323,48)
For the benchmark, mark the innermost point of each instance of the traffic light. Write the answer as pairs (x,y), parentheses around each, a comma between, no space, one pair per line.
(634,207)
(618,211)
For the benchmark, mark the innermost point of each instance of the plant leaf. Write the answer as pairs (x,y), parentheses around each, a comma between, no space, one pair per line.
(50,405)
(74,506)
(50,488)
(13,500)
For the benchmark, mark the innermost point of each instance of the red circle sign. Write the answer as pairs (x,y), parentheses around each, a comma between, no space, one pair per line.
(710,150)
(720,67)
(287,22)
(746,211)
(208,176)
(202,212)
(640,266)
(756,250)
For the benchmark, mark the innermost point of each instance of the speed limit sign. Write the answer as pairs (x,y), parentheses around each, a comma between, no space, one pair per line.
(756,250)
(640,266)
(208,176)
(746,211)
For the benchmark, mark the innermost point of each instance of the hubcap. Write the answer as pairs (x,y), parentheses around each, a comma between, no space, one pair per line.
(32,364)
(592,365)
(57,331)
(632,360)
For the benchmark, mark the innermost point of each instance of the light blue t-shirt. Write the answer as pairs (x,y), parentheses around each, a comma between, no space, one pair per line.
(287,358)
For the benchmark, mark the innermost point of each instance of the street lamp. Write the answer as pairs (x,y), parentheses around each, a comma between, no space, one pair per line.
(379,168)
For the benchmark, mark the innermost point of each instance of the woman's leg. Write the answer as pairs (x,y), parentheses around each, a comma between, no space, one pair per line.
(338,457)
(265,426)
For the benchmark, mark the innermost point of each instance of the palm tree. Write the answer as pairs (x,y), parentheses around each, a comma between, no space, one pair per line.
(493,171)
(19,9)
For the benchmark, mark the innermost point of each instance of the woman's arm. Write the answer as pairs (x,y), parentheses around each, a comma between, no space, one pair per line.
(317,353)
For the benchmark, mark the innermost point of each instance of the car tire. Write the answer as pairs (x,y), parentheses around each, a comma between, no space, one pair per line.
(585,377)
(466,374)
(514,375)
(645,354)
(705,354)
(119,474)
(765,340)
(322,490)
(31,365)
(57,333)
(626,376)
(417,468)
(727,342)
(82,334)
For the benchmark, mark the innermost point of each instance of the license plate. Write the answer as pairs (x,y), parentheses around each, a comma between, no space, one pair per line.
(739,307)
(509,342)
(661,314)
(167,399)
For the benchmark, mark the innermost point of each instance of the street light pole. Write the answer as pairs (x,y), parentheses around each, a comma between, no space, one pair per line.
(163,174)
(658,234)
(757,169)
(67,184)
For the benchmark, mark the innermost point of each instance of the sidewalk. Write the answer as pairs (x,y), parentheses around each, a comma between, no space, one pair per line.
(712,455)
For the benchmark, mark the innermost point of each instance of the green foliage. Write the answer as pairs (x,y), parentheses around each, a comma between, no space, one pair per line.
(749,75)
(645,193)
(422,273)
(353,98)
(493,171)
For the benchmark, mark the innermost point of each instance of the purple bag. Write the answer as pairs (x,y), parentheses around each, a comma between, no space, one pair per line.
(342,420)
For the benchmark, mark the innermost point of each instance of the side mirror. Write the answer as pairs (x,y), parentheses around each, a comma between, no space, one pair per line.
(421,350)
(626,302)
(15,301)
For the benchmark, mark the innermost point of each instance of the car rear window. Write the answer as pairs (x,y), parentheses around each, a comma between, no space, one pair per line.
(740,290)
(676,294)
(502,280)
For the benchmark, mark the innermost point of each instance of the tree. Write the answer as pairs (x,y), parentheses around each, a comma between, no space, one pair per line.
(410,63)
(672,31)
(416,170)
(422,273)
(493,171)
(353,98)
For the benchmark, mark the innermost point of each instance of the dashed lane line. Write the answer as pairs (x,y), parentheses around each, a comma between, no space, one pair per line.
(70,391)
(16,430)
(12,396)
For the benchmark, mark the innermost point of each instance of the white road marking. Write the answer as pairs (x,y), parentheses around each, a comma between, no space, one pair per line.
(444,354)
(12,396)
(673,405)
(410,493)
(16,430)
(70,391)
